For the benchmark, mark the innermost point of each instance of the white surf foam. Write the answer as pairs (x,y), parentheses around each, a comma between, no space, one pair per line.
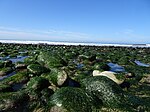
(68,43)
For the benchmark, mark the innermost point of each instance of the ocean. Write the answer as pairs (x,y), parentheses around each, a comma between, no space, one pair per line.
(72,43)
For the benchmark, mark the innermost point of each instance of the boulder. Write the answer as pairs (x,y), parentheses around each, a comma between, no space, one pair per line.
(1,64)
(5,71)
(8,63)
(13,101)
(146,79)
(5,88)
(51,60)
(19,77)
(20,66)
(37,84)
(37,69)
(110,75)
(73,100)
(56,76)
(111,94)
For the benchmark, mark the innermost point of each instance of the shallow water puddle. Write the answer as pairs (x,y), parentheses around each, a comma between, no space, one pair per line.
(116,67)
(18,86)
(141,64)
(14,60)
(79,66)
(6,76)
(18,59)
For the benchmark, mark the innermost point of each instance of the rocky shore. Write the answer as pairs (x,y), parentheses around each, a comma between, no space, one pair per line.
(67,78)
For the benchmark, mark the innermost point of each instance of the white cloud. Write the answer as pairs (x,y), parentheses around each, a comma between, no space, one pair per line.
(52,35)
(130,35)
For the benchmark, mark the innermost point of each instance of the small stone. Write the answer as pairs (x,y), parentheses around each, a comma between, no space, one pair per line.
(21,66)
(146,79)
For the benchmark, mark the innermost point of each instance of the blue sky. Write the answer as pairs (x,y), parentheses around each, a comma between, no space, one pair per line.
(106,21)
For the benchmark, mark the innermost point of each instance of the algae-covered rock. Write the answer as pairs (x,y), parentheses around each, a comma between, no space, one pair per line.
(51,60)
(30,60)
(37,69)
(45,95)
(8,63)
(13,101)
(110,93)
(146,79)
(20,77)
(101,66)
(1,64)
(37,83)
(20,65)
(34,88)
(73,100)
(56,76)
(5,71)
(5,88)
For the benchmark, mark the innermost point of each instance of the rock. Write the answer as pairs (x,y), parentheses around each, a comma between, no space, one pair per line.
(36,90)
(8,63)
(146,79)
(129,75)
(37,83)
(1,64)
(101,66)
(30,60)
(46,93)
(37,69)
(51,60)
(5,88)
(20,77)
(111,94)
(57,109)
(13,101)
(20,66)
(73,100)
(109,74)
(5,71)
(56,76)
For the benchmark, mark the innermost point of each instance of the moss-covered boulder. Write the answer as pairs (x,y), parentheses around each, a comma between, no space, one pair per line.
(56,76)
(5,88)
(45,95)
(73,100)
(146,79)
(101,66)
(19,77)
(8,63)
(5,71)
(20,65)
(51,60)
(37,69)
(13,55)
(30,60)
(111,94)
(37,83)
(13,101)
(1,64)
(37,89)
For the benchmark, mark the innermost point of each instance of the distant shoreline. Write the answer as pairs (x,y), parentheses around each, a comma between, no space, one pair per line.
(71,43)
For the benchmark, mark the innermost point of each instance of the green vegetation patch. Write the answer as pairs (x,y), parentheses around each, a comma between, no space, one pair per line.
(20,77)
(51,60)
(73,100)
(37,69)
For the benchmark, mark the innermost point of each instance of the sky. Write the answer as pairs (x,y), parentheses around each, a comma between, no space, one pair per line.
(103,21)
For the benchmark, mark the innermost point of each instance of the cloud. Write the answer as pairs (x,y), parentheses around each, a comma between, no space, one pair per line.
(51,34)
(131,35)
